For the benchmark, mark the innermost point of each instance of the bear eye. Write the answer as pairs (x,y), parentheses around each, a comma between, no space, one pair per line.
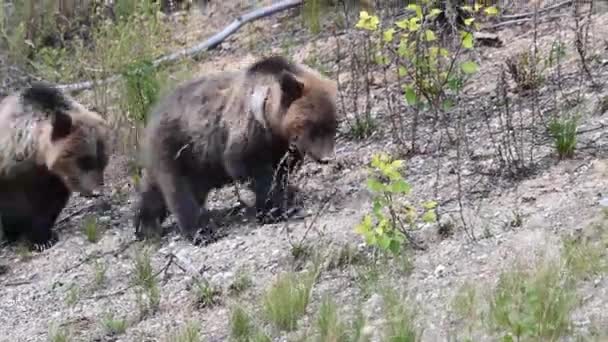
(86,163)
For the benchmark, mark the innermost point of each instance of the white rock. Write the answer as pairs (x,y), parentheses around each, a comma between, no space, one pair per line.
(439,271)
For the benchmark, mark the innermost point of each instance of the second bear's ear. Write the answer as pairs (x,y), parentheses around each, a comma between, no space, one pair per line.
(62,125)
(291,88)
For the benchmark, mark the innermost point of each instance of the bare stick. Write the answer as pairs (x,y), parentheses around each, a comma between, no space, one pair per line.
(208,44)
(533,13)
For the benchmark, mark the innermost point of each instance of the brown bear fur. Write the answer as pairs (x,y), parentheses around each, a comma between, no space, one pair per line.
(229,127)
(51,146)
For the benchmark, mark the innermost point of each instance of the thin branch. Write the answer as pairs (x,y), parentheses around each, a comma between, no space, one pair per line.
(533,13)
(206,45)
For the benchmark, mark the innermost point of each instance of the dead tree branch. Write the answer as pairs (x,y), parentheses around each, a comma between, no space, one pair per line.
(206,45)
(541,11)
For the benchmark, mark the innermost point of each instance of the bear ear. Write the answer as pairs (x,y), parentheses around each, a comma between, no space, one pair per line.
(291,88)
(62,125)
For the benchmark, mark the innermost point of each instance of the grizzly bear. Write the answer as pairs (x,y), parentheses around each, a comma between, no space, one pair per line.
(233,126)
(51,146)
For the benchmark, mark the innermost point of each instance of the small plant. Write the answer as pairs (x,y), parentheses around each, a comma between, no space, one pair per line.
(525,71)
(328,323)
(241,283)
(345,256)
(387,227)
(584,258)
(148,292)
(100,273)
(534,304)
(58,334)
(399,319)
(206,295)
(563,132)
(141,88)
(465,306)
(91,229)
(114,326)
(190,333)
(286,300)
(243,329)
(73,295)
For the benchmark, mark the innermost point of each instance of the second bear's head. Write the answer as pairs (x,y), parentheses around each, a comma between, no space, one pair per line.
(73,141)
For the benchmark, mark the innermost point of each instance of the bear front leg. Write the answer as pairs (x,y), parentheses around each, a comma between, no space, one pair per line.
(269,196)
(181,202)
(150,211)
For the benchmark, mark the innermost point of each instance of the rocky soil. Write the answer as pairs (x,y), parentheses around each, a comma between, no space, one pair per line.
(513,221)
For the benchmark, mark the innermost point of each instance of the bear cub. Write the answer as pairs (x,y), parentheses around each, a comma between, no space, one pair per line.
(51,146)
(230,127)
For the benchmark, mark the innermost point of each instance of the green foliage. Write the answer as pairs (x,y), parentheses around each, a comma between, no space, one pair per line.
(386,227)
(99,277)
(91,229)
(525,70)
(329,326)
(534,304)
(205,294)
(243,329)
(189,333)
(142,88)
(114,326)
(584,257)
(399,319)
(286,300)
(58,334)
(146,282)
(73,295)
(563,131)
(241,283)
(418,53)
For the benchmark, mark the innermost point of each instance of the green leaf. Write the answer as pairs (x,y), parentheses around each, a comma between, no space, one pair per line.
(384,242)
(469,67)
(469,21)
(491,10)
(477,7)
(467,40)
(455,83)
(435,12)
(430,36)
(429,204)
(447,104)
(402,24)
(396,164)
(375,186)
(467,8)
(410,95)
(400,187)
(388,35)
(394,246)
(429,216)
(416,8)
(402,71)
(414,24)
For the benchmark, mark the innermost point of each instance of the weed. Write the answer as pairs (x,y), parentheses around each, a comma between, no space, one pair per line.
(241,283)
(399,319)
(58,334)
(465,306)
(243,328)
(100,273)
(367,278)
(148,292)
(584,258)
(189,333)
(328,323)
(362,127)
(535,304)
(286,300)
(524,71)
(205,294)
(563,132)
(388,226)
(73,295)
(345,256)
(91,229)
(113,326)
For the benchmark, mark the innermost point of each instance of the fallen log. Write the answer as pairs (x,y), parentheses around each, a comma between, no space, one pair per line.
(206,45)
